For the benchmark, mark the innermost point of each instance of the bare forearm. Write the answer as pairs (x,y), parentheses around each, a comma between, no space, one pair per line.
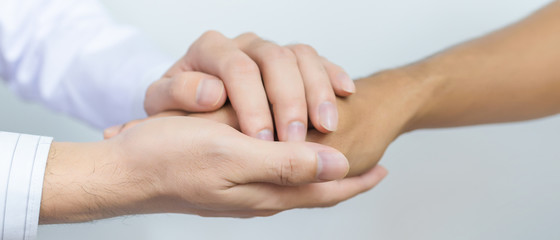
(510,75)
(83,183)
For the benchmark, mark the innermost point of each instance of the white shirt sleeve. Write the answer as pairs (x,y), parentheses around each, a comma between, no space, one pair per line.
(70,55)
(22,167)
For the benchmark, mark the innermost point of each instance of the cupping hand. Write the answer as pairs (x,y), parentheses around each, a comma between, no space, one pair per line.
(196,166)
(317,82)
(383,103)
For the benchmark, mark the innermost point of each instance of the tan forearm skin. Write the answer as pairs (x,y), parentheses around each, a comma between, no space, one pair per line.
(510,75)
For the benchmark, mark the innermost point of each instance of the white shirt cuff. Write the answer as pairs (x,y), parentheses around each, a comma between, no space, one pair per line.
(23,160)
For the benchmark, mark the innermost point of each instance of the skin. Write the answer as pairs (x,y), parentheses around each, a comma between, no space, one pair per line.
(193,166)
(294,79)
(208,168)
(386,120)
(510,75)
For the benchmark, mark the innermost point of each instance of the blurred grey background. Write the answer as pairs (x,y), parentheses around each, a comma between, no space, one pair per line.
(484,182)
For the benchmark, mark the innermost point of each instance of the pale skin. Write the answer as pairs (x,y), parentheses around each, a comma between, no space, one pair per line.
(196,166)
(252,72)
(510,75)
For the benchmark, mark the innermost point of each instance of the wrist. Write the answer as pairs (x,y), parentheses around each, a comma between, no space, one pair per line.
(425,85)
(86,181)
(408,91)
(384,106)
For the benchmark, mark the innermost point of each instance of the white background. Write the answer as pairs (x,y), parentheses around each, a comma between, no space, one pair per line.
(486,182)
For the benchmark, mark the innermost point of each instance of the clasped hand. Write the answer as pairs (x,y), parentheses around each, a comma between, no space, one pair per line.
(199,166)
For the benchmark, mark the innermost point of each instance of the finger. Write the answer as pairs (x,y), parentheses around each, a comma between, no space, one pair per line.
(112,131)
(321,99)
(268,197)
(283,84)
(342,83)
(225,115)
(242,213)
(213,53)
(332,193)
(289,163)
(116,130)
(187,91)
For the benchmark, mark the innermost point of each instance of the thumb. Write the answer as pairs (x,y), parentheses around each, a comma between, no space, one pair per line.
(293,163)
(187,91)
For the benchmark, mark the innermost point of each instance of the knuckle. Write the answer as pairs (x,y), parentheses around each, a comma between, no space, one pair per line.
(289,102)
(248,35)
(151,95)
(330,96)
(287,173)
(203,43)
(220,140)
(255,118)
(273,53)
(273,204)
(176,88)
(210,34)
(323,93)
(240,66)
(304,49)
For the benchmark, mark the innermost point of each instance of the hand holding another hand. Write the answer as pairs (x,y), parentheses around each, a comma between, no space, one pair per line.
(246,176)
(253,73)
(195,166)
(380,111)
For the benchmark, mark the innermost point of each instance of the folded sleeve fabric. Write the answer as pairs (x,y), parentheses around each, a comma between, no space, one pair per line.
(22,167)
(72,57)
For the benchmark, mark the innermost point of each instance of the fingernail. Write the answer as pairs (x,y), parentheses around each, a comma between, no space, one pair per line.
(265,135)
(112,130)
(328,116)
(347,83)
(296,131)
(331,166)
(209,92)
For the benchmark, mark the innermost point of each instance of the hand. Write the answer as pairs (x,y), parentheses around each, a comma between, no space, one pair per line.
(384,103)
(381,110)
(195,166)
(298,83)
